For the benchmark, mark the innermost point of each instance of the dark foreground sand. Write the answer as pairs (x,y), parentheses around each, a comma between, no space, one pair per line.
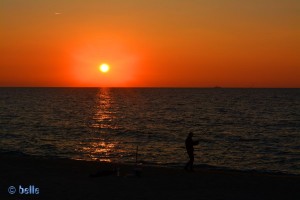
(69,179)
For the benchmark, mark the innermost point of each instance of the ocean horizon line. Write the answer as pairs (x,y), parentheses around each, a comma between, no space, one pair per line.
(151,87)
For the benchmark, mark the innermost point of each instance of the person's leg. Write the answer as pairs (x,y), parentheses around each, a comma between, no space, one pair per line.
(192,162)
(188,164)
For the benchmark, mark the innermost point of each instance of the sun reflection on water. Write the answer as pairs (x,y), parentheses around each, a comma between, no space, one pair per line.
(100,151)
(101,148)
(105,113)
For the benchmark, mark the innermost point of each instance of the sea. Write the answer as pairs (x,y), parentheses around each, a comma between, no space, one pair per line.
(237,129)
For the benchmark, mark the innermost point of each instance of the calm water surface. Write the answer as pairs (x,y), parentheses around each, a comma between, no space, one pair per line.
(247,129)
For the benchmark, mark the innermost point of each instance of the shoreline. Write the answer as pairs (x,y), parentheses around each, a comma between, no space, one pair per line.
(60,178)
(148,164)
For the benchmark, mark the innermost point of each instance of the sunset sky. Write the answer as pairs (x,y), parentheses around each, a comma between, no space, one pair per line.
(150,43)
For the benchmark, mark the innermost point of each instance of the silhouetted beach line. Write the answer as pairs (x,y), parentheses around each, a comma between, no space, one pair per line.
(71,179)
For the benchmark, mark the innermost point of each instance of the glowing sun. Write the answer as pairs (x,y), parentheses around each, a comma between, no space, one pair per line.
(104,67)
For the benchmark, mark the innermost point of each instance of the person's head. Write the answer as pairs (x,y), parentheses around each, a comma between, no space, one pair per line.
(191,134)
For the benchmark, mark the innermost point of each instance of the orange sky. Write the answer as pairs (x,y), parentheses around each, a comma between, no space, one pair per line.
(150,43)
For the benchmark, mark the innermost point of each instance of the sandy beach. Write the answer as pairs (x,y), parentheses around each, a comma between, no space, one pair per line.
(71,179)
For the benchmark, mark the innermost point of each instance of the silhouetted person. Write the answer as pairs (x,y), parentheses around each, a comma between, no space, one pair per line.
(189,145)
